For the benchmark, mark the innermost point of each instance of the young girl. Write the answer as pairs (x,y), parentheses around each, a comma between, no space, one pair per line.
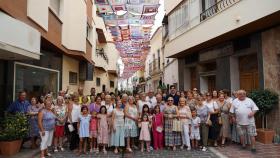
(83,126)
(145,111)
(195,135)
(145,132)
(103,128)
(157,128)
(93,132)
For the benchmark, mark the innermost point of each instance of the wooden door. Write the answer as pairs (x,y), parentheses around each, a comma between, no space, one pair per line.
(211,83)
(248,72)
(193,78)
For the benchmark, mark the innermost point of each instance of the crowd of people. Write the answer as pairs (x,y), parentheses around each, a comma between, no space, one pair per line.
(189,120)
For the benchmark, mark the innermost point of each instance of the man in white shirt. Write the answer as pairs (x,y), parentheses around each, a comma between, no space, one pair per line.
(244,110)
(142,102)
(152,100)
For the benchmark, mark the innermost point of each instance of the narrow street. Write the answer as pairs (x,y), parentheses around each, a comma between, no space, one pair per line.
(115,75)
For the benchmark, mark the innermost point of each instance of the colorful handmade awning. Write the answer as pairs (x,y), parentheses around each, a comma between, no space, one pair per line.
(130,23)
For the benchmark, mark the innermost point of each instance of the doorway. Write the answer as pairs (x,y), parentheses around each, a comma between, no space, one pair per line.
(248,72)
(103,88)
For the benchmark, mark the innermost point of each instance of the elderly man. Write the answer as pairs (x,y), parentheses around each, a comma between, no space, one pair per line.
(243,110)
(108,104)
(173,95)
(124,100)
(20,105)
(142,102)
(160,103)
(151,99)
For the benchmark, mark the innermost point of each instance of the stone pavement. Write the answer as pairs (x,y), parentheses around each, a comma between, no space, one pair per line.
(263,151)
(154,154)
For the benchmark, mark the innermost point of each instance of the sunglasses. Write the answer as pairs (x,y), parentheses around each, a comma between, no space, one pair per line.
(67,98)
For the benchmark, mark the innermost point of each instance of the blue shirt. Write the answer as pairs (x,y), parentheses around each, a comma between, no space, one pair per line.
(19,106)
(122,106)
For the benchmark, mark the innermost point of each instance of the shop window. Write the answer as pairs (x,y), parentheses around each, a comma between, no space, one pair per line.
(35,80)
(98,81)
(73,78)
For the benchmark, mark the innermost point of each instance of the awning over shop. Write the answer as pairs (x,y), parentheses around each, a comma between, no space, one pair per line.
(18,40)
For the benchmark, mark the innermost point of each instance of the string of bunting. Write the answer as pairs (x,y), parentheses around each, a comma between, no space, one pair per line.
(130,23)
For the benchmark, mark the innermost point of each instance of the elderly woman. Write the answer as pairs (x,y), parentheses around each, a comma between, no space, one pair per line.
(131,118)
(204,114)
(33,113)
(185,116)
(61,113)
(172,138)
(73,117)
(224,107)
(46,122)
(214,130)
(117,137)
(190,100)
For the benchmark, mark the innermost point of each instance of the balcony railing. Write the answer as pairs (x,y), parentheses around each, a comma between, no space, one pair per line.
(154,68)
(216,8)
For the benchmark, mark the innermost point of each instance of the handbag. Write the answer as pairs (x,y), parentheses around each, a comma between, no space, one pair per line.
(177,126)
(159,129)
(209,122)
(220,120)
(71,128)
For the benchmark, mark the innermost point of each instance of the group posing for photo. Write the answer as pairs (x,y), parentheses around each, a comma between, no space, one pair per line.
(97,122)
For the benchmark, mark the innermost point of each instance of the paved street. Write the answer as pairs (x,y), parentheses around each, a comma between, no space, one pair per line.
(154,154)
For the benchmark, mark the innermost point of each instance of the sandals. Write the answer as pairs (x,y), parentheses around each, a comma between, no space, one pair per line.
(104,151)
(129,150)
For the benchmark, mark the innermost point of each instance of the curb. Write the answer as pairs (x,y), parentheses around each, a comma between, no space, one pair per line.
(217,153)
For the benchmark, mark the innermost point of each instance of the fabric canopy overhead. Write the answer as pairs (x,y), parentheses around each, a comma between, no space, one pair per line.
(130,23)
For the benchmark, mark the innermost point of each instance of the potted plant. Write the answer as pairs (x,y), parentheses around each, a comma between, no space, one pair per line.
(13,129)
(266,100)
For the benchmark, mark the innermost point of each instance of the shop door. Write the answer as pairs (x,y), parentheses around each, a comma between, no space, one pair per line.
(211,83)
(193,78)
(248,72)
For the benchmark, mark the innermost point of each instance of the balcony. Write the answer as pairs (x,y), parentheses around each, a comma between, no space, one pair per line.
(18,41)
(224,21)
(216,8)
(153,67)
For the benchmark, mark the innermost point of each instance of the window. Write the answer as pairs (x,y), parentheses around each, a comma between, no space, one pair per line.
(178,18)
(98,81)
(35,80)
(184,17)
(73,78)
(112,84)
(158,53)
(55,6)
(89,32)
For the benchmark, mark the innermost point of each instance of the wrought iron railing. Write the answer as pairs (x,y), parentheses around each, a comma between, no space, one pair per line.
(216,8)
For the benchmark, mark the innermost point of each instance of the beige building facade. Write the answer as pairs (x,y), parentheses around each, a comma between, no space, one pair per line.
(49,45)
(222,44)
(155,62)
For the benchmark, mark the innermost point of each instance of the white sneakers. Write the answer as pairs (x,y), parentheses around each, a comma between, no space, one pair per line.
(204,149)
